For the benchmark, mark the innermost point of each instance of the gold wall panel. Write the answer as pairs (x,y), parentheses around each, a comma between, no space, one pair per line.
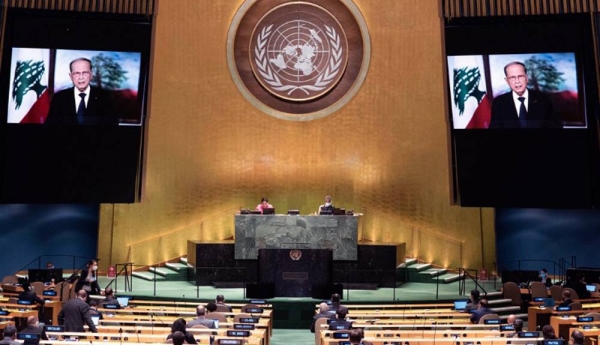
(210,152)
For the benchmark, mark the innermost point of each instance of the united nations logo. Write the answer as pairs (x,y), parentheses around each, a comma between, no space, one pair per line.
(299,59)
(295,254)
(294,59)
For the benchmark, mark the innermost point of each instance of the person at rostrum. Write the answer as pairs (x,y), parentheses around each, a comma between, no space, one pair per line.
(81,104)
(327,206)
(264,203)
(75,313)
(522,107)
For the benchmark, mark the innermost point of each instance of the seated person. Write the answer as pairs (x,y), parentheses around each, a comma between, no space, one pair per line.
(518,325)
(473,301)
(340,321)
(544,278)
(109,298)
(178,338)
(355,337)
(335,303)
(34,327)
(29,294)
(220,299)
(323,313)
(483,309)
(566,296)
(10,336)
(264,203)
(548,332)
(327,206)
(180,325)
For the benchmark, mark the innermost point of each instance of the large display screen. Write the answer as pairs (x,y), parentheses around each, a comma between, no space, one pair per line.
(521,111)
(75,87)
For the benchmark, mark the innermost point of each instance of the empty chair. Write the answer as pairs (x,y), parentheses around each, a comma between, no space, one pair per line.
(511,290)
(217,316)
(595,315)
(10,280)
(38,287)
(538,289)
(556,292)
(237,317)
(576,306)
(488,317)
(245,307)
(574,294)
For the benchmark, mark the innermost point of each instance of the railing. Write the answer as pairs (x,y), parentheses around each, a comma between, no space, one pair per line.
(142,7)
(490,8)
(555,269)
(465,274)
(76,263)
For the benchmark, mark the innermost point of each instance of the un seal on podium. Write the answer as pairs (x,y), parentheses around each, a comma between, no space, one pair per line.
(298,60)
(295,254)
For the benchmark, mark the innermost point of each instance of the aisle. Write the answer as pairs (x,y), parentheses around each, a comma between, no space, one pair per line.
(292,336)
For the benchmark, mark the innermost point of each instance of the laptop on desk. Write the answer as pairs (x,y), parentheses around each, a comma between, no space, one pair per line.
(460,305)
(266,211)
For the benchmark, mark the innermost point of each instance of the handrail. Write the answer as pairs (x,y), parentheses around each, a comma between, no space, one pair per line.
(558,269)
(73,257)
(465,274)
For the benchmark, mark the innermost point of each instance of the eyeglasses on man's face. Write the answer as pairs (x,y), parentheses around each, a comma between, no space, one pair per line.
(85,74)
(514,78)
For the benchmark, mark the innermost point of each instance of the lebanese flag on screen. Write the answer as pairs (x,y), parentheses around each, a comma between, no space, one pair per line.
(29,100)
(471,104)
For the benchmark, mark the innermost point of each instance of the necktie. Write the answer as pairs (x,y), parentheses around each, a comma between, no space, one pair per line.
(81,109)
(522,113)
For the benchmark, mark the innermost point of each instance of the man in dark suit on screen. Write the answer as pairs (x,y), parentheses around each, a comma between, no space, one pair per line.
(81,104)
(522,107)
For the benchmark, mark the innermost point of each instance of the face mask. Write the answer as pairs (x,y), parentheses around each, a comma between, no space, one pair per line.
(95,268)
(543,275)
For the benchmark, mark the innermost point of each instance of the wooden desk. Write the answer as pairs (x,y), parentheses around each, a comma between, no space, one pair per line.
(537,316)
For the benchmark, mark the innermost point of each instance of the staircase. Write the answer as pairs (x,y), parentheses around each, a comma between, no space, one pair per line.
(426,273)
(171,271)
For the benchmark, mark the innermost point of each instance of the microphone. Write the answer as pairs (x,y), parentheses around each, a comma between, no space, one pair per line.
(137,333)
(152,323)
(434,324)
(121,336)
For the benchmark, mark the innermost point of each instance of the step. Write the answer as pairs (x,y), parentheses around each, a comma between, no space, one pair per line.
(507,310)
(499,302)
(420,267)
(183,260)
(434,272)
(161,271)
(450,278)
(176,266)
(145,275)
(407,262)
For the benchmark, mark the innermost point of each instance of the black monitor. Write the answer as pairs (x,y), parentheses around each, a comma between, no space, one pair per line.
(45,275)
(270,210)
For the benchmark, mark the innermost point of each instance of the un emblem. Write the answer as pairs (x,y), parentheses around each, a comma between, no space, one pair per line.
(299,59)
(295,60)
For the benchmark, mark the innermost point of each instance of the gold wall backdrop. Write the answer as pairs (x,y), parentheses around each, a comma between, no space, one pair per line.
(210,152)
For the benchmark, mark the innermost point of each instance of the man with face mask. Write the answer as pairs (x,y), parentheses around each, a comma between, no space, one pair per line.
(327,207)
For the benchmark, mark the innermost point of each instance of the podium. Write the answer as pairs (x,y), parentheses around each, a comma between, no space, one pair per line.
(295,272)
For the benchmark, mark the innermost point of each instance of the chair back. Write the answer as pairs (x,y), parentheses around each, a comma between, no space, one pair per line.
(218,316)
(199,326)
(574,294)
(237,317)
(38,287)
(488,317)
(511,290)
(576,306)
(556,292)
(245,307)
(595,315)
(10,280)
(318,327)
(538,289)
